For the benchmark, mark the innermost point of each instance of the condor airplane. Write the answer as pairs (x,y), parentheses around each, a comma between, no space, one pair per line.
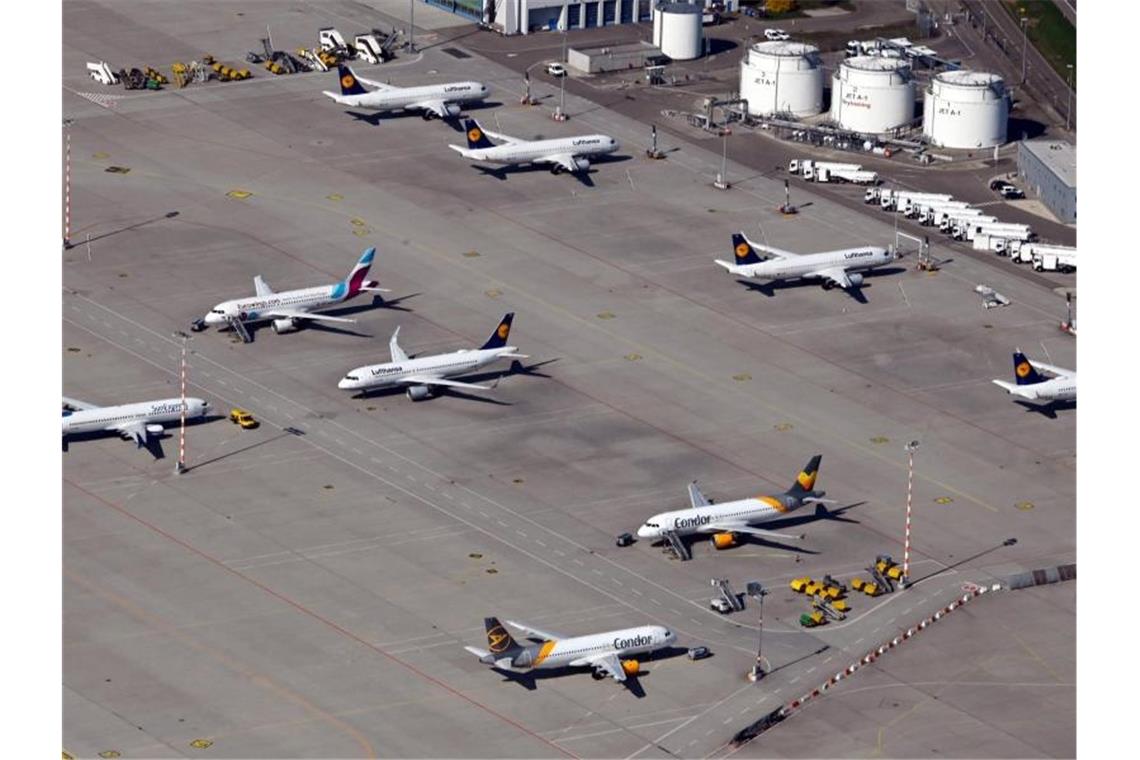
(834,268)
(604,652)
(728,520)
(426,375)
(569,154)
(442,100)
(290,307)
(1030,384)
(138,421)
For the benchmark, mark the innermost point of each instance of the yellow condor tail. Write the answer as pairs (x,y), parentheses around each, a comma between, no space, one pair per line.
(805,481)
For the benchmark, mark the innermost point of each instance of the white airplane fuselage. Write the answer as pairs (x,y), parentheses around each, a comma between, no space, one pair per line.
(687,522)
(849,259)
(442,365)
(250,309)
(523,152)
(400,98)
(573,651)
(1056,389)
(149,413)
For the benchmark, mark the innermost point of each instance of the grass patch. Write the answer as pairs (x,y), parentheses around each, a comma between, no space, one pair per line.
(1050,32)
(831,39)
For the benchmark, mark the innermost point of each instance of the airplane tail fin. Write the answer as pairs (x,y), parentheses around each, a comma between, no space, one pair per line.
(355,281)
(805,481)
(475,137)
(348,82)
(499,640)
(1023,371)
(498,338)
(743,250)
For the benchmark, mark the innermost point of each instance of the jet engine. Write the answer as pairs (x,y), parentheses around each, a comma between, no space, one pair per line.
(419,392)
(452,109)
(631,667)
(856,280)
(723,540)
(285,326)
(154,429)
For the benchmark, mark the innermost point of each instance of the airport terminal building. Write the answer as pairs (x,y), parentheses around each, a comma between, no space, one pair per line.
(524,16)
(1049,168)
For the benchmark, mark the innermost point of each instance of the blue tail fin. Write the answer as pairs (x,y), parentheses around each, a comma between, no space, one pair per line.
(348,82)
(743,250)
(498,338)
(1023,371)
(475,137)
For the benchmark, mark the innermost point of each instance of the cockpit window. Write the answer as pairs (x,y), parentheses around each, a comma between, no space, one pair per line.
(350,377)
(216,311)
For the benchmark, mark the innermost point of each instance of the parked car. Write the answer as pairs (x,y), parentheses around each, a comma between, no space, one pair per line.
(998,184)
(1011,193)
(699,653)
(243,419)
(556,69)
(777,34)
(625,539)
(198,325)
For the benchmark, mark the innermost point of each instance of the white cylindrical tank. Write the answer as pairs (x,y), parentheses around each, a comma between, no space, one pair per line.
(782,77)
(677,30)
(966,109)
(872,94)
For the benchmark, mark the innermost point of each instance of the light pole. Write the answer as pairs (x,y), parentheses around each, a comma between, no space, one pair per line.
(722,178)
(910,449)
(1024,47)
(412,25)
(180,465)
(758,592)
(1069,109)
(67,185)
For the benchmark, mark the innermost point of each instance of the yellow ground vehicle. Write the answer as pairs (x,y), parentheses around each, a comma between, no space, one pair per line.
(243,418)
(799,584)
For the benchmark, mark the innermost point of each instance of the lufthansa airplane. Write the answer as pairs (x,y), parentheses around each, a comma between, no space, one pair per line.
(1030,384)
(442,100)
(571,154)
(290,307)
(727,521)
(138,421)
(609,654)
(424,376)
(840,268)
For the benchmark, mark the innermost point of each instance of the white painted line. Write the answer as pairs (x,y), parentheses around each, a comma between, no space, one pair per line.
(539,542)
(655,602)
(635,591)
(521,533)
(615,580)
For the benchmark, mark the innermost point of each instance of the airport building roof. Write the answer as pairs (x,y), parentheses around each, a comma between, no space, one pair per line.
(1059,156)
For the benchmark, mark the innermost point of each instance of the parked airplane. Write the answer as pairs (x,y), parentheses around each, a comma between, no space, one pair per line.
(138,421)
(835,268)
(442,100)
(604,652)
(1031,385)
(425,375)
(288,308)
(562,154)
(726,521)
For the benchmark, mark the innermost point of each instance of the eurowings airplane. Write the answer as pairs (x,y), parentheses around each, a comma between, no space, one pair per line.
(834,268)
(290,307)
(728,520)
(424,376)
(442,100)
(609,654)
(570,154)
(1030,384)
(138,421)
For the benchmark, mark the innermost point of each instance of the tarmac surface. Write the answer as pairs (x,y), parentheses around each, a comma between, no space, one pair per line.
(306,589)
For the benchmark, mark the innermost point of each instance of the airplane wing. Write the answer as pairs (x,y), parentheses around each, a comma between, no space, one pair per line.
(836,275)
(607,663)
(696,498)
(734,527)
(136,430)
(296,314)
(530,631)
(565,160)
(438,107)
(1051,369)
(261,287)
(1016,390)
(76,405)
(430,380)
(398,354)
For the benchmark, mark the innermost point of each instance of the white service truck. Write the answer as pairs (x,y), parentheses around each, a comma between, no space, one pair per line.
(1024,253)
(948,220)
(1055,261)
(970,228)
(854,176)
(805,166)
(889,200)
(917,209)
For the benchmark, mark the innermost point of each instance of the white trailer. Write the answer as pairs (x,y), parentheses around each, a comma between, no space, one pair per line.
(856,176)
(936,215)
(948,222)
(915,208)
(1024,252)
(889,199)
(998,245)
(804,166)
(1055,262)
(1007,230)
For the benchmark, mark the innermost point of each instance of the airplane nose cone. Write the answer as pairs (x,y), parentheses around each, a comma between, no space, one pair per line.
(644,532)
(344,384)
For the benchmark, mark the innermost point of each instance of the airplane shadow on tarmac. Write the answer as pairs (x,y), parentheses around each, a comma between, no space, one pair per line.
(516,368)
(821,513)
(375,118)
(1049,409)
(153,442)
(500,172)
(769,288)
(529,679)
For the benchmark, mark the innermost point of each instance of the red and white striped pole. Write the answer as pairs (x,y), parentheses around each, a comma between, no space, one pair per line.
(181,466)
(910,449)
(67,191)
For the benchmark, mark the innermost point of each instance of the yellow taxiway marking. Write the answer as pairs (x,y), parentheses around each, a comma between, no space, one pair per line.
(239,195)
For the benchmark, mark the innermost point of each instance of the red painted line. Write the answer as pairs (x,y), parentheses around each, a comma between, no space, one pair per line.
(306,611)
